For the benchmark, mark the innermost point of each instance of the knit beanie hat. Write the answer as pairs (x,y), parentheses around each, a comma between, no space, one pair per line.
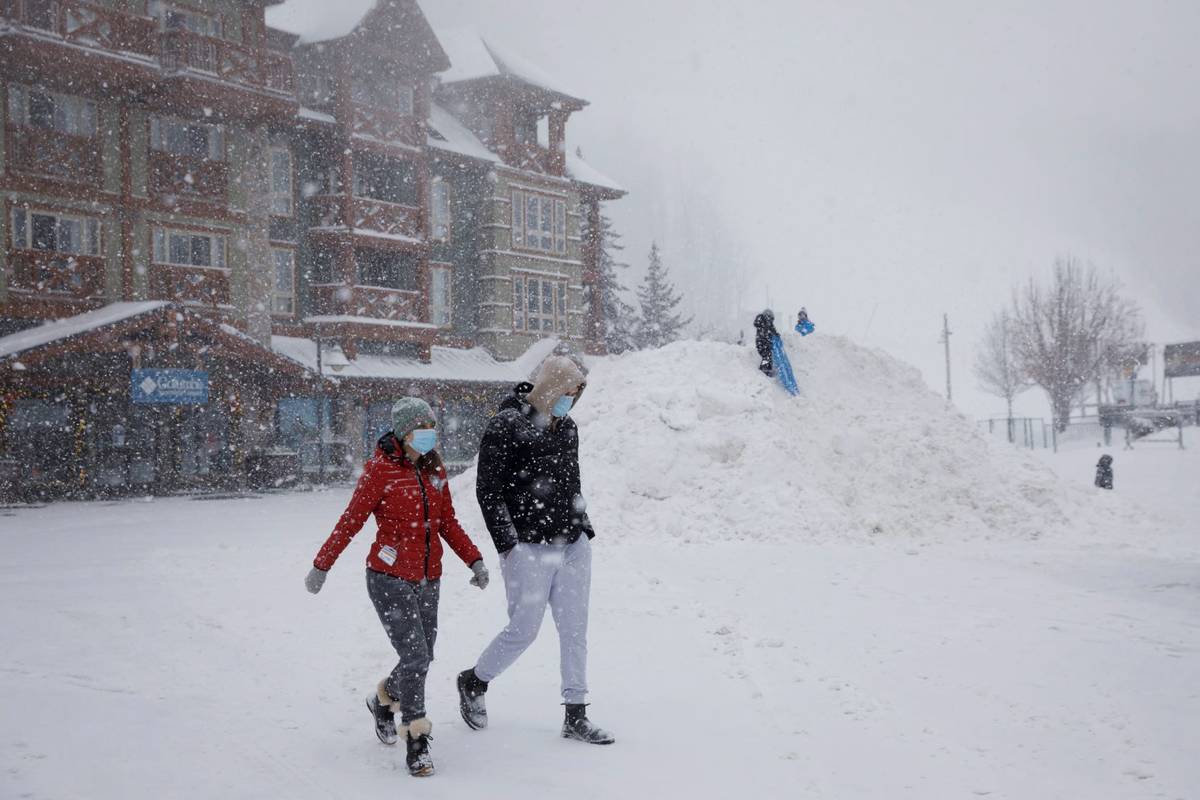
(410,413)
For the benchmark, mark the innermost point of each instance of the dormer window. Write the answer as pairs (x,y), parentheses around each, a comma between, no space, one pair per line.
(179,19)
(525,127)
(367,90)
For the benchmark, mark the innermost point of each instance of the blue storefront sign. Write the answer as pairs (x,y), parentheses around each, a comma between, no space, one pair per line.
(177,387)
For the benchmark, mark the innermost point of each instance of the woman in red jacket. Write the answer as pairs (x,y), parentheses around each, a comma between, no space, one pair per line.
(405,486)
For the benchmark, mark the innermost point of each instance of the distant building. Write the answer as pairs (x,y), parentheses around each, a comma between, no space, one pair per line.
(197,197)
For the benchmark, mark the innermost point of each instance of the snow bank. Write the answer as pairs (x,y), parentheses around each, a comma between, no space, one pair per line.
(691,443)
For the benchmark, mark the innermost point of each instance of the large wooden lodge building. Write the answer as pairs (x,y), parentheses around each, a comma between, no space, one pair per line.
(235,230)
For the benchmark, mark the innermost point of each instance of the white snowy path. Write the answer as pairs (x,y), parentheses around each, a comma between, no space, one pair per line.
(168,649)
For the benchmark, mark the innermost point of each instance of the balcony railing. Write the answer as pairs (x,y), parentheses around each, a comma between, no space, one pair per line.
(228,61)
(376,302)
(188,177)
(204,285)
(58,275)
(50,153)
(87,24)
(375,216)
(93,26)
(532,157)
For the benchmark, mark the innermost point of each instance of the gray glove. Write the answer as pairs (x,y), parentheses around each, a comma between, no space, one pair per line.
(481,575)
(315,579)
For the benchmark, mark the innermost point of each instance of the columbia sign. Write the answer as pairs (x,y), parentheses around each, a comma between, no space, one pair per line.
(179,387)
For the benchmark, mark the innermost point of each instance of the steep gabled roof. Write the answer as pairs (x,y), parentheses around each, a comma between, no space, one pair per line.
(319,20)
(314,21)
(474,57)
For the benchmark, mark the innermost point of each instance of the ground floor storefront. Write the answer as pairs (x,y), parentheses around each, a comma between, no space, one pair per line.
(151,398)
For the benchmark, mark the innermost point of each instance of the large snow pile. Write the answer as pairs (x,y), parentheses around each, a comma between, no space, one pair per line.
(692,442)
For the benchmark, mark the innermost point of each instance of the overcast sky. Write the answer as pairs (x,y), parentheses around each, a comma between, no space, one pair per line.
(883,163)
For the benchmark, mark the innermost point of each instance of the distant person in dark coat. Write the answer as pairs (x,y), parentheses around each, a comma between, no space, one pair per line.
(764,335)
(1104,473)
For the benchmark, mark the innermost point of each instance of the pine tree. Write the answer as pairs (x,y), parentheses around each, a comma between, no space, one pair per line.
(659,324)
(619,317)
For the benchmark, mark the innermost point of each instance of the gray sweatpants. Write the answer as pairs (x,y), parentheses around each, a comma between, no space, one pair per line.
(408,611)
(537,575)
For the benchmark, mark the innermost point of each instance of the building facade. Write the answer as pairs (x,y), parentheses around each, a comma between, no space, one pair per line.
(310,206)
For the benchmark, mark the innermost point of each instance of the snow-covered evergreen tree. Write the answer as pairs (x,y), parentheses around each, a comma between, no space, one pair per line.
(659,324)
(619,318)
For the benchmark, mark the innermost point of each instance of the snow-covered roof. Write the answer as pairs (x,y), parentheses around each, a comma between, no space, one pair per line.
(458,138)
(472,57)
(316,116)
(584,172)
(345,318)
(446,363)
(73,326)
(319,20)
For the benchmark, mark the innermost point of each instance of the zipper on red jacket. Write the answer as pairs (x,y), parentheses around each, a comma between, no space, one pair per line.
(425,505)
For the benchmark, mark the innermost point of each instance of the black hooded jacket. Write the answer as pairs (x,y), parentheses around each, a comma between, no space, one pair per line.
(764,333)
(528,483)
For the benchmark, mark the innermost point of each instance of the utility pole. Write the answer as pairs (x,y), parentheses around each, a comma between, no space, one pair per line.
(946,341)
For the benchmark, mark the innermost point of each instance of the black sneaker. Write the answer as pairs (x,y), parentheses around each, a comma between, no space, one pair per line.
(470,700)
(385,720)
(420,762)
(577,726)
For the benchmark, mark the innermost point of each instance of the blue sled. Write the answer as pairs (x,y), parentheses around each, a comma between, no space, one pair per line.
(783,367)
(805,328)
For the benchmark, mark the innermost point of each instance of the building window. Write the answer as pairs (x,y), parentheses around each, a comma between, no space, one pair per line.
(283,286)
(440,210)
(440,296)
(54,232)
(37,108)
(187,249)
(539,304)
(539,222)
(386,269)
(191,139)
(281,182)
(391,180)
(404,101)
(178,19)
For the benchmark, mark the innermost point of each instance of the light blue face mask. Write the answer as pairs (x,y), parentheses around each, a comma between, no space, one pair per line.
(423,440)
(563,406)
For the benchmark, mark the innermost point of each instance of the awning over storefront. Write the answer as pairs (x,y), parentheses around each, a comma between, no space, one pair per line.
(124,326)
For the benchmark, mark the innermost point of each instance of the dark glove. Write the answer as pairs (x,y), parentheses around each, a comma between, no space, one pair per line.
(315,579)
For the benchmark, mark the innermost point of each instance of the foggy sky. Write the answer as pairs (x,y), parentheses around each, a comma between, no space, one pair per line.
(883,163)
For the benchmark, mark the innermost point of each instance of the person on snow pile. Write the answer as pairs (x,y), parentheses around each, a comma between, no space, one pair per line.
(528,487)
(764,334)
(804,325)
(405,486)
(1104,473)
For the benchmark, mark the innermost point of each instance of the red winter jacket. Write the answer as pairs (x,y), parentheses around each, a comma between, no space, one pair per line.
(414,513)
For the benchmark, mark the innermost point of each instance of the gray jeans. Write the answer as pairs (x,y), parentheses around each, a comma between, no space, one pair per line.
(537,575)
(408,611)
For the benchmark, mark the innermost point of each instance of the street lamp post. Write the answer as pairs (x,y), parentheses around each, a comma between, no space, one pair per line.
(337,362)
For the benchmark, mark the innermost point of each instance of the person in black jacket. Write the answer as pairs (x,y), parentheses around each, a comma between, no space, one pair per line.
(1104,473)
(529,490)
(764,336)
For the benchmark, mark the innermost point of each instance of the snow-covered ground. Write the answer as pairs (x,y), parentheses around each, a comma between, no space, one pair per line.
(848,595)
